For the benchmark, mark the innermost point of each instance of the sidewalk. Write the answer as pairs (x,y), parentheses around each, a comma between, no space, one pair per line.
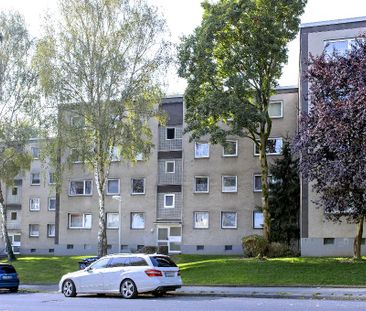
(331,293)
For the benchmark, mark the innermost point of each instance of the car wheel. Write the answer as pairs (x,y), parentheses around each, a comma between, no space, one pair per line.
(68,288)
(13,289)
(158,293)
(128,289)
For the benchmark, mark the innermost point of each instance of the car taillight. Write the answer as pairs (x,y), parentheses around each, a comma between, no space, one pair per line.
(178,273)
(153,272)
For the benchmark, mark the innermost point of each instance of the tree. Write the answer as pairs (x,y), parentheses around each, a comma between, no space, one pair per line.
(284,198)
(332,139)
(101,67)
(17,107)
(231,63)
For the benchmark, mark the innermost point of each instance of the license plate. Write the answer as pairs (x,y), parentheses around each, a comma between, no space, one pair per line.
(7,277)
(169,274)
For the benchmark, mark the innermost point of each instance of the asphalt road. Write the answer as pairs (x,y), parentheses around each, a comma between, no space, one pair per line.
(55,302)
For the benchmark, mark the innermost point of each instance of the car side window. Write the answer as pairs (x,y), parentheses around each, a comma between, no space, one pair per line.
(118,262)
(137,261)
(100,264)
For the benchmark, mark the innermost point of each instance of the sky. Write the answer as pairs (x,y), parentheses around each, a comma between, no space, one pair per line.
(184,15)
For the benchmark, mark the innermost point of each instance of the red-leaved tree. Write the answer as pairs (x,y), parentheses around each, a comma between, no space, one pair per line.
(332,136)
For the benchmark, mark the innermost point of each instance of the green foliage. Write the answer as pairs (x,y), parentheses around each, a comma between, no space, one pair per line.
(254,245)
(284,198)
(276,250)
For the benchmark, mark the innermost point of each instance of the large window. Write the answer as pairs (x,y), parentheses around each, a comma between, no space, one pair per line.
(34,204)
(113,186)
(201,150)
(51,229)
(51,204)
(340,46)
(201,184)
(138,185)
(112,220)
(274,147)
(275,109)
(80,187)
(231,148)
(137,221)
(35,178)
(80,221)
(258,220)
(34,230)
(169,200)
(35,152)
(200,220)
(229,184)
(228,220)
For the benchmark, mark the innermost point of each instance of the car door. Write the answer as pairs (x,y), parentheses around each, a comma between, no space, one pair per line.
(92,280)
(113,274)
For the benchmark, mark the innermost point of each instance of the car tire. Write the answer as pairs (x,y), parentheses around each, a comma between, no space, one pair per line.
(68,288)
(13,289)
(128,289)
(158,293)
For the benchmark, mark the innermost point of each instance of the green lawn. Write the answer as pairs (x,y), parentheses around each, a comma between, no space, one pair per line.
(221,270)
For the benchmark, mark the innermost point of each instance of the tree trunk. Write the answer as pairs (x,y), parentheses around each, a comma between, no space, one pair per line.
(265,188)
(358,239)
(4,227)
(102,230)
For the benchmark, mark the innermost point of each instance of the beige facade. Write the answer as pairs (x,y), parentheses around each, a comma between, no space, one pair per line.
(320,237)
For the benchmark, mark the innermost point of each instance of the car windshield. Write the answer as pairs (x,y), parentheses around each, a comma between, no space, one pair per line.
(162,261)
(7,269)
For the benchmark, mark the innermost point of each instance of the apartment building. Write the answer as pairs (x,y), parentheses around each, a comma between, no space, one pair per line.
(193,197)
(320,237)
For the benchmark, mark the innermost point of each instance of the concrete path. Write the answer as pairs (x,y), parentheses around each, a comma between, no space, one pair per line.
(332,293)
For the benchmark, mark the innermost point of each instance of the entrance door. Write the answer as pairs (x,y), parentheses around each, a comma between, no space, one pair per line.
(15,243)
(170,236)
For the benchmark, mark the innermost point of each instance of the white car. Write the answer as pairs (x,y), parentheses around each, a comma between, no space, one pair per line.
(127,274)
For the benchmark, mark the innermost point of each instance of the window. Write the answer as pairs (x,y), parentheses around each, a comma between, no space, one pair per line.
(80,187)
(70,246)
(13,216)
(77,156)
(112,186)
(169,166)
(201,184)
(200,220)
(228,220)
(51,178)
(257,182)
(139,156)
(51,229)
(34,204)
(14,191)
(52,204)
(169,200)
(118,262)
(200,247)
(258,220)
(229,184)
(137,221)
(228,248)
(77,122)
(112,220)
(328,241)
(341,46)
(138,185)
(35,152)
(170,133)
(80,221)
(274,147)
(33,230)
(115,154)
(35,179)
(275,109)
(100,264)
(231,148)
(201,150)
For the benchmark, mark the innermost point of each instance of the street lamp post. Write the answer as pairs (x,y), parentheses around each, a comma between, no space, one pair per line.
(119,199)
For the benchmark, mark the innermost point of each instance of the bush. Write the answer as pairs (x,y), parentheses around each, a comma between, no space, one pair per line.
(254,245)
(276,249)
(149,249)
(163,250)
